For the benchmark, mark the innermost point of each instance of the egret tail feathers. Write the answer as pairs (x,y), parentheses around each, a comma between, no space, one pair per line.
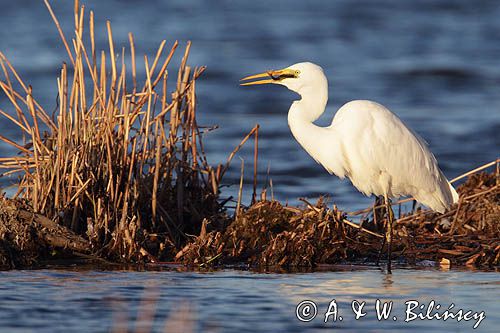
(439,200)
(454,193)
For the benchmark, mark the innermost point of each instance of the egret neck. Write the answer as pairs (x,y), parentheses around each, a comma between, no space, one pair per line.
(302,115)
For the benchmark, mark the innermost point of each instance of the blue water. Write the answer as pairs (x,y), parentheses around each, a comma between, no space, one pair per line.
(237,301)
(434,63)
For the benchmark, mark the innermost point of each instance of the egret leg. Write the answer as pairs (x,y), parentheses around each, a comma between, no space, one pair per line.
(378,214)
(380,251)
(413,206)
(388,234)
(377,217)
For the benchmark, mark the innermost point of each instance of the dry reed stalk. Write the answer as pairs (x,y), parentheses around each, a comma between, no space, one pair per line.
(240,190)
(255,163)
(114,164)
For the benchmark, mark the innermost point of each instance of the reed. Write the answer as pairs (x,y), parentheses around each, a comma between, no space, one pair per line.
(121,161)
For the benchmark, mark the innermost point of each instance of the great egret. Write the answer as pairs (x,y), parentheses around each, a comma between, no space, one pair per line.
(365,142)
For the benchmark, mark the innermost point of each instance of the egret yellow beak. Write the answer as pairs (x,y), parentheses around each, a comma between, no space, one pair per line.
(274,76)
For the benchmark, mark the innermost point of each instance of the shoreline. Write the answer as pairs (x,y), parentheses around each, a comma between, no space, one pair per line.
(269,236)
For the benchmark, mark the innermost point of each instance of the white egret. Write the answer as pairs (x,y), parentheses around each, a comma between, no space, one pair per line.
(365,142)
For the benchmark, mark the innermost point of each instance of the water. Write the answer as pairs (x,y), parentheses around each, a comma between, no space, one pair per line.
(238,301)
(434,63)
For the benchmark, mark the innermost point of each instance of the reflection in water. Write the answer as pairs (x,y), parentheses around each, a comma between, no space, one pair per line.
(229,301)
(388,282)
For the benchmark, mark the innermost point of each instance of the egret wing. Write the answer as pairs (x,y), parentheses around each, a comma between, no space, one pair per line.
(382,154)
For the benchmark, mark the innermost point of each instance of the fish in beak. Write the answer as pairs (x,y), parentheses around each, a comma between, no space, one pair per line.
(272,76)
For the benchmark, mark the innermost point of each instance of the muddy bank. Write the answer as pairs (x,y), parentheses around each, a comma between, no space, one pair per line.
(268,234)
(27,238)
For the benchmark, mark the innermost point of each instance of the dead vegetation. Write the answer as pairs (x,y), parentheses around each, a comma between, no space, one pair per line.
(468,234)
(27,237)
(269,234)
(121,162)
(120,172)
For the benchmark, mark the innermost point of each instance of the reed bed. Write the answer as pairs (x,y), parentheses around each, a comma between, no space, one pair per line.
(121,162)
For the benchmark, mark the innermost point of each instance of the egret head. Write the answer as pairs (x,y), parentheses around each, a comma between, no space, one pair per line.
(299,77)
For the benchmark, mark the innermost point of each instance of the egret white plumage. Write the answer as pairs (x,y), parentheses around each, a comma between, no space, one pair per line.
(365,142)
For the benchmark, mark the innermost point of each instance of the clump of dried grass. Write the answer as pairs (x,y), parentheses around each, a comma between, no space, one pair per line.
(468,234)
(270,234)
(121,161)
